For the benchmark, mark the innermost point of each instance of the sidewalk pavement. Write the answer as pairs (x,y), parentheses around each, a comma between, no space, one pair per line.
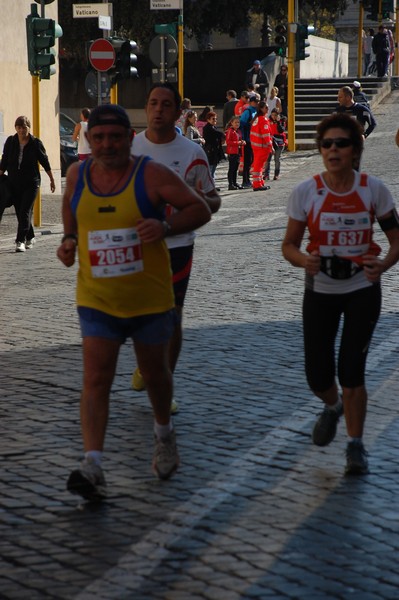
(255,510)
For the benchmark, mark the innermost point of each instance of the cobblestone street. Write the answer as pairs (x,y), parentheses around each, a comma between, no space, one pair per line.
(255,510)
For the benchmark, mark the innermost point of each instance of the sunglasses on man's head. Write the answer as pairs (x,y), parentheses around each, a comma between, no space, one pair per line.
(339,142)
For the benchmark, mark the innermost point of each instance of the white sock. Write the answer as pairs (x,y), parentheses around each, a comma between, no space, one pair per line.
(162,431)
(95,455)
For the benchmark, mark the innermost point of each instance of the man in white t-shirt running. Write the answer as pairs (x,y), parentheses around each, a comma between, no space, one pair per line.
(161,142)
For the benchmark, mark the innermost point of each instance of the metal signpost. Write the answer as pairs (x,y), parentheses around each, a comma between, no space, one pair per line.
(172,5)
(163,53)
(102,58)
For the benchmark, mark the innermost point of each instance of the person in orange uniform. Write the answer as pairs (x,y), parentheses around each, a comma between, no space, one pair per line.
(262,146)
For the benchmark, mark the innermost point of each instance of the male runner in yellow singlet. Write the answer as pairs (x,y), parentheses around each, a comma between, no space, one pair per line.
(113,215)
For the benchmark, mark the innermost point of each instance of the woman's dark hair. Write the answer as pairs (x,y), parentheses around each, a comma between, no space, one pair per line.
(204,113)
(345,122)
(85,112)
(22,122)
(261,106)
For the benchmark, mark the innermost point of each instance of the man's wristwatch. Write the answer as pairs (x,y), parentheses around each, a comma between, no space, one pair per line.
(166,228)
(69,236)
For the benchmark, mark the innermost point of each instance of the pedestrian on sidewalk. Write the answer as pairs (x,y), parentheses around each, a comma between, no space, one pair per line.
(246,119)
(257,77)
(281,83)
(188,160)
(358,94)
(262,147)
(201,121)
(360,112)
(79,135)
(273,101)
(113,205)
(342,277)
(279,140)
(367,47)
(347,104)
(242,103)
(213,142)
(229,107)
(382,49)
(22,154)
(190,130)
(234,147)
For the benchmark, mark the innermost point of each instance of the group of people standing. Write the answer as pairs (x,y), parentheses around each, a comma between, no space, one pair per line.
(254,130)
(378,51)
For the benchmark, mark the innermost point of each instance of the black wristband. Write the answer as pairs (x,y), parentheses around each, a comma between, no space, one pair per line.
(69,236)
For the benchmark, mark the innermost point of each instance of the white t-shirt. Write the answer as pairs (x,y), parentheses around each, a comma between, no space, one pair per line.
(342,224)
(83,144)
(271,103)
(184,157)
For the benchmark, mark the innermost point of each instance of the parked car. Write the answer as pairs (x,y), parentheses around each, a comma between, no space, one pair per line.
(68,148)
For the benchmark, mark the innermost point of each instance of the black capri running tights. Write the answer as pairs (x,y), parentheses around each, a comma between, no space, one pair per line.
(321,318)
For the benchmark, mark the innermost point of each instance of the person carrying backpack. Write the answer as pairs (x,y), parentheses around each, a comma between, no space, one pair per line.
(245,126)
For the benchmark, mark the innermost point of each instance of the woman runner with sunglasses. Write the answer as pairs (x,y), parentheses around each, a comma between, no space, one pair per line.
(342,277)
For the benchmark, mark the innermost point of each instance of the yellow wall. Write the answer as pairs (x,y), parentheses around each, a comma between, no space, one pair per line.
(16,83)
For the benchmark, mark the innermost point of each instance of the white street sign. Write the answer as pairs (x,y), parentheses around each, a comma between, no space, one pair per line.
(166,4)
(105,23)
(85,11)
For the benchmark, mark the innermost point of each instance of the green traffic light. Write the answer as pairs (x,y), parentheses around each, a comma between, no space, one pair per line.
(41,35)
(281,39)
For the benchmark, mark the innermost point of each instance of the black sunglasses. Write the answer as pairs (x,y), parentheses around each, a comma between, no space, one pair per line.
(339,142)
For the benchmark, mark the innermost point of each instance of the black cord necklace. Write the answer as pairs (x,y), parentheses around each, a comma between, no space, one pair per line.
(114,187)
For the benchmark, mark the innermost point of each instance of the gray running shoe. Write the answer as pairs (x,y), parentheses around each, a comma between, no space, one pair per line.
(356,461)
(88,481)
(326,426)
(166,457)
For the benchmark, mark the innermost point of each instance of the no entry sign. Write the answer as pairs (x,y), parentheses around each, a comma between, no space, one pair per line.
(102,55)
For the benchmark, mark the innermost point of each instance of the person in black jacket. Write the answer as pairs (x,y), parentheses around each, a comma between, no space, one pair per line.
(21,154)
(281,82)
(381,49)
(258,78)
(213,142)
(361,112)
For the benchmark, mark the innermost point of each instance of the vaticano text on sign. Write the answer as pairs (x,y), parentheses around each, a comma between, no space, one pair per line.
(166,4)
(84,11)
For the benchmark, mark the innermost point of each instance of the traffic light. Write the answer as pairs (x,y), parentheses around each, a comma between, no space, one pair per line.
(281,39)
(125,59)
(41,34)
(373,7)
(301,35)
(386,8)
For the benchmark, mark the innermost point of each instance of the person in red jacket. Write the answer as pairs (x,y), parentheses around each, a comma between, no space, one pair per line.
(234,144)
(261,143)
